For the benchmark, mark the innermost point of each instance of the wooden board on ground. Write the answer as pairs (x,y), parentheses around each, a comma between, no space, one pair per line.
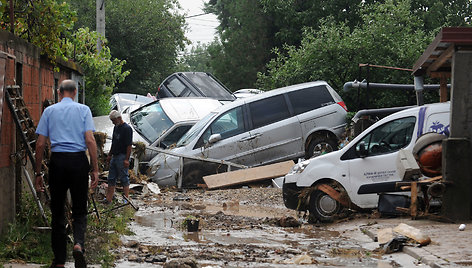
(248,175)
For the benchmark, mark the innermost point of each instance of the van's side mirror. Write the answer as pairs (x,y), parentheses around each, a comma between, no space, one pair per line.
(361,149)
(214,138)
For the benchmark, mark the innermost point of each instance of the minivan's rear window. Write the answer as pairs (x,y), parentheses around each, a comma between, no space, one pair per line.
(209,86)
(269,110)
(311,98)
(178,88)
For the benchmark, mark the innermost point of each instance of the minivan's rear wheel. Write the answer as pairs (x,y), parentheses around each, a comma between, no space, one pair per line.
(319,146)
(193,177)
(322,207)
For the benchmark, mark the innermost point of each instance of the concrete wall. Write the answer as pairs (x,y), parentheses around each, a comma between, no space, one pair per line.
(457,169)
(24,66)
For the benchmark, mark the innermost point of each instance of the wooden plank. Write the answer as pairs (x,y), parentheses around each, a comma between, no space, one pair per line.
(248,175)
(443,89)
(414,198)
(413,233)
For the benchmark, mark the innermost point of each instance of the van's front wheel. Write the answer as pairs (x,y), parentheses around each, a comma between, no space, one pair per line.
(319,146)
(323,207)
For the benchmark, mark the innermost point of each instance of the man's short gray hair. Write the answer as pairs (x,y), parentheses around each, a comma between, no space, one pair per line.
(114,114)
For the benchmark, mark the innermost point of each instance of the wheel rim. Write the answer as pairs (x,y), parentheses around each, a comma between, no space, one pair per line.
(322,148)
(327,205)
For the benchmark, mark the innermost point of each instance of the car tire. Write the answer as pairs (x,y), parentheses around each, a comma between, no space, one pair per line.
(193,177)
(321,145)
(322,207)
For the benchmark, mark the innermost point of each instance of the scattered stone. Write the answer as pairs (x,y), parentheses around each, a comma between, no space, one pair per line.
(289,222)
(132,244)
(143,249)
(181,198)
(182,263)
(302,259)
(132,257)
(160,258)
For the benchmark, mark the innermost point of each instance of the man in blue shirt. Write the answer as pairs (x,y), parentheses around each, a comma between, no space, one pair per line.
(69,127)
(119,155)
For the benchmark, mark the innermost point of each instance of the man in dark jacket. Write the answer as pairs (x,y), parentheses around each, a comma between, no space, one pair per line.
(119,155)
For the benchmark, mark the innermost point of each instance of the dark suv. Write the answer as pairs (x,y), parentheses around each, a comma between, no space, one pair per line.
(194,84)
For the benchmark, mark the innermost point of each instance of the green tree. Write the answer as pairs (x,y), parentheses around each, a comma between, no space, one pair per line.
(196,60)
(49,25)
(44,23)
(389,35)
(245,42)
(102,72)
(148,34)
(289,18)
(440,13)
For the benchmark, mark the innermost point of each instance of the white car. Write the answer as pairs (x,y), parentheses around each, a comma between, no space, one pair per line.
(369,158)
(160,123)
(127,102)
(278,125)
(246,92)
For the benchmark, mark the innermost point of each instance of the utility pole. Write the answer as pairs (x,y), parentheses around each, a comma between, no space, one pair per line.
(100,22)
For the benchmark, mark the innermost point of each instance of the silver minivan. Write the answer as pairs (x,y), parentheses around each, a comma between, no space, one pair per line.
(282,124)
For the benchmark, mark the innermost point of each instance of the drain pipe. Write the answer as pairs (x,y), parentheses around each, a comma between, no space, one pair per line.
(419,87)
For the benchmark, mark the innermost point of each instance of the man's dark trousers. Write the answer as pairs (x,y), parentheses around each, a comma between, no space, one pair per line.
(68,171)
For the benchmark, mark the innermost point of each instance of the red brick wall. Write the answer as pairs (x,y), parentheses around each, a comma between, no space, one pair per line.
(37,85)
(7,140)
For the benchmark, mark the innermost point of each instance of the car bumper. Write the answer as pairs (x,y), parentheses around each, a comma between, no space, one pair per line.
(291,194)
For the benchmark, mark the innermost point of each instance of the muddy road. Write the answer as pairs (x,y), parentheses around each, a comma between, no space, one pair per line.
(245,227)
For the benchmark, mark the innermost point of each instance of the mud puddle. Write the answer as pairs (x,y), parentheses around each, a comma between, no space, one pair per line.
(234,232)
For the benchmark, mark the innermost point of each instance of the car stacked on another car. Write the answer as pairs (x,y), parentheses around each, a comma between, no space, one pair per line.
(194,84)
(282,124)
(160,123)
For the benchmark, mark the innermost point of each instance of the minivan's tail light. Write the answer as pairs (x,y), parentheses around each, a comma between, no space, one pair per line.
(342,104)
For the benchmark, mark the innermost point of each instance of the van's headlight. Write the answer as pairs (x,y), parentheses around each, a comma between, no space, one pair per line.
(152,169)
(299,167)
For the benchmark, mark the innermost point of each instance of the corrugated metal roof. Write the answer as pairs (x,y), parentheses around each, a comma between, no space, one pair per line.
(437,58)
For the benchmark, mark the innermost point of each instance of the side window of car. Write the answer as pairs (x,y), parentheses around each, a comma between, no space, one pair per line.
(227,125)
(269,110)
(311,98)
(113,104)
(389,137)
(178,88)
(174,136)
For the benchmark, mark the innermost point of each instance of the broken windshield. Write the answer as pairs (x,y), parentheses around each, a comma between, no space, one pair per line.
(151,121)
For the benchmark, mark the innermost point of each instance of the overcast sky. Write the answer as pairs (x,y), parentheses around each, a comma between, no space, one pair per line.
(201,28)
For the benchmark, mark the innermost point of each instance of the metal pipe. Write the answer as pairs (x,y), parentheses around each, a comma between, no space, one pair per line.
(356,84)
(381,111)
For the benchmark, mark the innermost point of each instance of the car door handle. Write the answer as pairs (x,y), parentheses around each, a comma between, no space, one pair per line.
(251,137)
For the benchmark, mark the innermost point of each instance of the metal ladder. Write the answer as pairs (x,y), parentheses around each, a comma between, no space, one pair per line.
(26,128)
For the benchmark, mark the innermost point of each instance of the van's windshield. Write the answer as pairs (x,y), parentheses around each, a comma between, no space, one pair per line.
(151,121)
(193,132)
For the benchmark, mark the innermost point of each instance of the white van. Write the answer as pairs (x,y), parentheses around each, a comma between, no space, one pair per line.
(274,126)
(369,158)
